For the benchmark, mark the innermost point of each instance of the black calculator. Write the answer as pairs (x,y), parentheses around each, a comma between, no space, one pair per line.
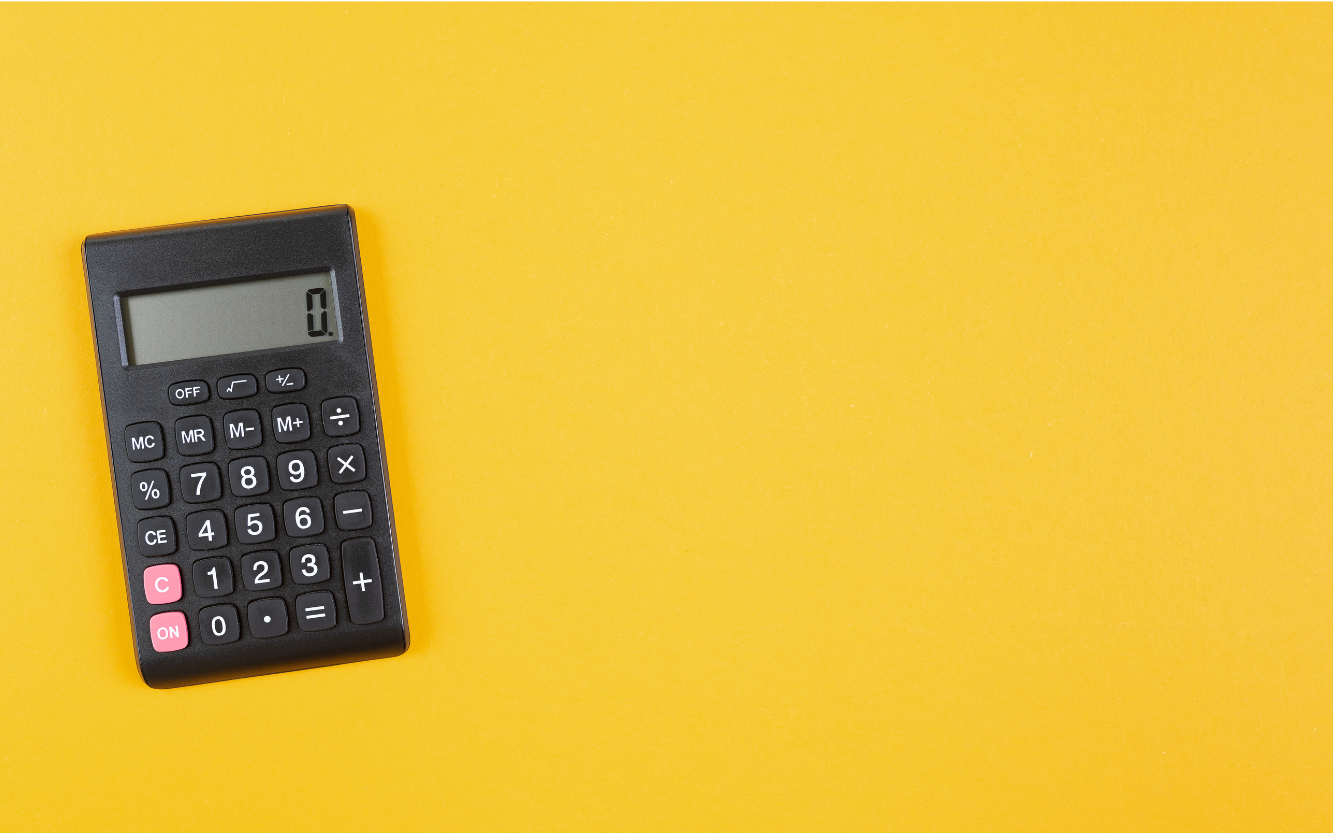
(246,448)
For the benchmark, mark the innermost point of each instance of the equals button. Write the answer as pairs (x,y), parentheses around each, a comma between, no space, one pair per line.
(315,611)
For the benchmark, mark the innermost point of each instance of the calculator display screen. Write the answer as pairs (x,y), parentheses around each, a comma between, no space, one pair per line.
(229,318)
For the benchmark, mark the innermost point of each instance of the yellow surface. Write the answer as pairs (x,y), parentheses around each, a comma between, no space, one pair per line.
(800,418)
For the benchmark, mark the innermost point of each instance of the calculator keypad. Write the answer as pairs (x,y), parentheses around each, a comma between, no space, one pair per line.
(253,523)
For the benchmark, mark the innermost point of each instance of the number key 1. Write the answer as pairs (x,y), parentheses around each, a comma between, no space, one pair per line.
(212,577)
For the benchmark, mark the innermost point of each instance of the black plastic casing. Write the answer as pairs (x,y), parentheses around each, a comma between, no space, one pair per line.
(222,251)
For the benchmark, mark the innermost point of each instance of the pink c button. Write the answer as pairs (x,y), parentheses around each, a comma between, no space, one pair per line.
(162,584)
(168,631)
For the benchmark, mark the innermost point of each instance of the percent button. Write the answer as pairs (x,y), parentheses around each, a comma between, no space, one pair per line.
(150,489)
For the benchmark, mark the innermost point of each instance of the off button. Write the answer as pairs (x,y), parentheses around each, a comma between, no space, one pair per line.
(188,393)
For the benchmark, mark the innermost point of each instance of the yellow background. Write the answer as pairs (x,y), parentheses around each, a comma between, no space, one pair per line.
(800,418)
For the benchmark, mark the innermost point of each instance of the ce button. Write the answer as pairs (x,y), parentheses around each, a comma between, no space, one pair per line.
(157,536)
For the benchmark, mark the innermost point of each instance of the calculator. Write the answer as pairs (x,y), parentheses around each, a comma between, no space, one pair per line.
(247,455)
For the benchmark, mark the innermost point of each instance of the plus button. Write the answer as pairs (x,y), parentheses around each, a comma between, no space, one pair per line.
(363,581)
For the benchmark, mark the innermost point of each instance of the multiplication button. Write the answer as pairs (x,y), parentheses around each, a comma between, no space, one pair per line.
(347,463)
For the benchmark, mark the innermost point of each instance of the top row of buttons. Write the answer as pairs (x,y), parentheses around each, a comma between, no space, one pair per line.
(237,387)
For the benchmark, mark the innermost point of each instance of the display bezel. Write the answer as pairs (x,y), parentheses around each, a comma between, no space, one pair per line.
(118,303)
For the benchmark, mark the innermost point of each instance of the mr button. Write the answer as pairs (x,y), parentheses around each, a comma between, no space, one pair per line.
(194,435)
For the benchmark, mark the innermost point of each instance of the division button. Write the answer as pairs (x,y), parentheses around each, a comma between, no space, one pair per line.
(267,618)
(188,393)
(150,489)
(347,463)
(241,429)
(237,387)
(194,435)
(157,536)
(340,416)
(291,423)
(162,584)
(361,576)
(285,380)
(315,612)
(143,442)
(351,510)
(168,631)
(219,625)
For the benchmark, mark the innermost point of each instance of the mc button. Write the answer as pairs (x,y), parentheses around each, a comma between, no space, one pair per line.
(143,442)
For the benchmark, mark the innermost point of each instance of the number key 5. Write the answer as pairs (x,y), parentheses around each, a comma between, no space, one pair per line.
(254,524)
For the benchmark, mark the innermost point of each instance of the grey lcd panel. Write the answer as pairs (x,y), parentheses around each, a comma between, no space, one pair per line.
(230,318)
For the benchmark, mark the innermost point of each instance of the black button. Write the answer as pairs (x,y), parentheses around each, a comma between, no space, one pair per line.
(314,611)
(237,387)
(219,625)
(303,517)
(361,576)
(291,423)
(347,463)
(259,571)
(351,510)
(157,536)
(296,470)
(285,381)
(241,429)
(340,416)
(309,565)
(254,524)
(143,442)
(268,618)
(188,393)
(200,483)
(248,476)
(206,530)
(194,435)
(150,489)
(212,577)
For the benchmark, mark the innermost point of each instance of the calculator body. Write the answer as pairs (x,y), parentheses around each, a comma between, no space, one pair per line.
(250,483)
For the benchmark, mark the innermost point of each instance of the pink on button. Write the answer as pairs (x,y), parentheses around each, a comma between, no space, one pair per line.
(168,630)
(162,584)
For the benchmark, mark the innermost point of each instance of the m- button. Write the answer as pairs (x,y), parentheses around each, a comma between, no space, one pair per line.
(188,393)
